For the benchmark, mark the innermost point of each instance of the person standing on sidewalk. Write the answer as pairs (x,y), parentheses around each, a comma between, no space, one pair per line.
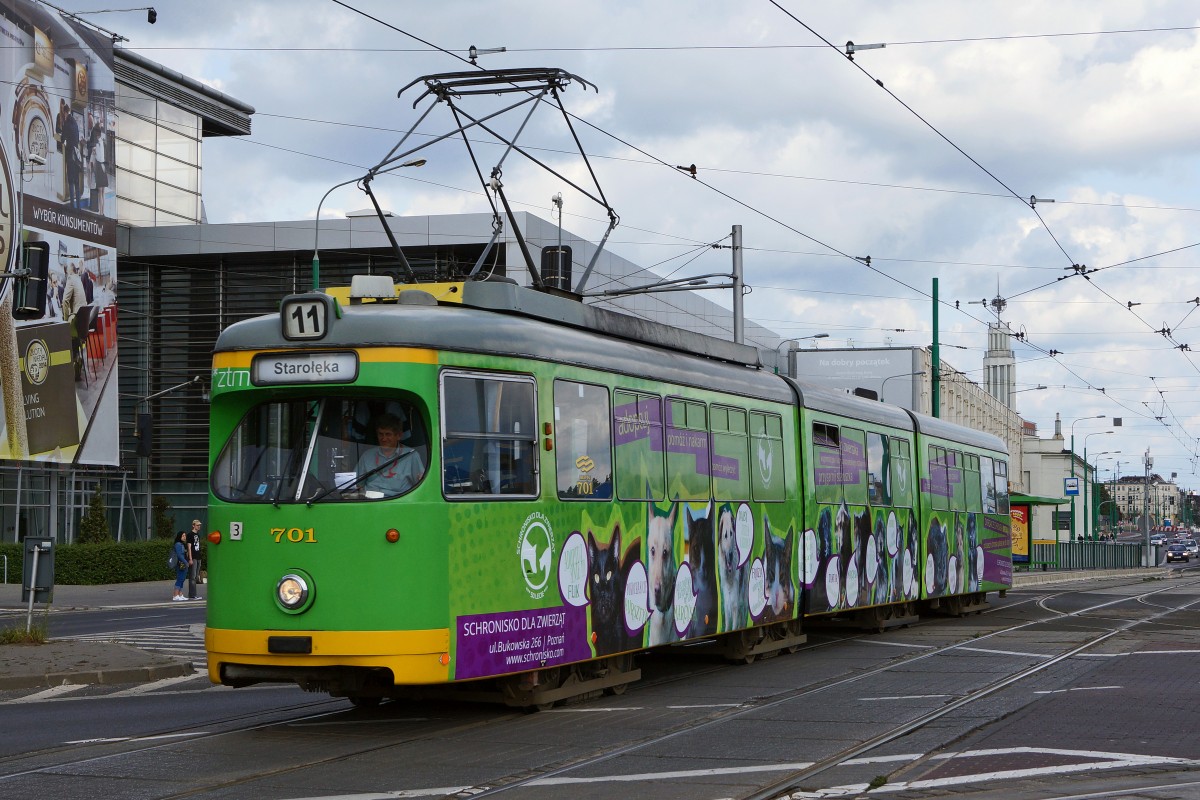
(193,576)
(182,562)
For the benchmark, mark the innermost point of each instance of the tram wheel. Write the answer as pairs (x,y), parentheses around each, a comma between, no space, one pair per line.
(365,700)
(747,640)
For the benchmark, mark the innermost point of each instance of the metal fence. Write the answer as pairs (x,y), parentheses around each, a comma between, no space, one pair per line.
(1092,555)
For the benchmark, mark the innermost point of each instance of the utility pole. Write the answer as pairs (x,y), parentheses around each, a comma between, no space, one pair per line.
(935,353)
(1146,516)
(739,322)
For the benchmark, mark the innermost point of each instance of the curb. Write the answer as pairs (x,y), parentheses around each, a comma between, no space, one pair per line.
(100,676)
(1041,578)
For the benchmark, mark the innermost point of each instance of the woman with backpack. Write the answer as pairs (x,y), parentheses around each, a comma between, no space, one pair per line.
(182,564)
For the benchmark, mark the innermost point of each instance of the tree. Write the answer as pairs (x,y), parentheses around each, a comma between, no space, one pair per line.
(164,520)
(93,528)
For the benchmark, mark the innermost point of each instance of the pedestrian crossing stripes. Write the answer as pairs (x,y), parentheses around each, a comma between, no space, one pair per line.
(185,641)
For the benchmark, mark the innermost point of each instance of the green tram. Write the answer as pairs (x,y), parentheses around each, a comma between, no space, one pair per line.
(482,484)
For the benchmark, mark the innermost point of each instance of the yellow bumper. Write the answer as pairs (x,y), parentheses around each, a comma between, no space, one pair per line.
(414,657)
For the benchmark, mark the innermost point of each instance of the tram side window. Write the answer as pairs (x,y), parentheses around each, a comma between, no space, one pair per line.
(730,454)
(879,491)
(902,474)
(768,480)
(954,474)
(489,435)
(939,481)
(1002,487)
(640,469)
(971,482)
(582,441)
(854,465)
(687,450)
(827,463)
(987,485)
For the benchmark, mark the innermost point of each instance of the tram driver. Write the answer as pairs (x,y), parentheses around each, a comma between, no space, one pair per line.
(396,467)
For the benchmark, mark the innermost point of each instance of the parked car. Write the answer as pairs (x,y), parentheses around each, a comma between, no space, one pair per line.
(1178,552)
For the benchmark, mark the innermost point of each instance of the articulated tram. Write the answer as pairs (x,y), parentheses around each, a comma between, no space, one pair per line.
(481,484)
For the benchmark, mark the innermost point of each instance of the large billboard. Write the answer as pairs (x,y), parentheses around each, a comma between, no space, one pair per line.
(57,151)
(894,374)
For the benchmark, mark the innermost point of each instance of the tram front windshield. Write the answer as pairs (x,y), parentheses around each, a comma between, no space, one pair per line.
(323,450)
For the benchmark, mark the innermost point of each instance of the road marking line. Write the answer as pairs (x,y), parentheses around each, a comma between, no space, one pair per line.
(909,697)
(1078,689)
(150,687)
(49,694)
(1112,761)
(139,738)
(1140,653)
(592,710)
(900,644)
(1005,652)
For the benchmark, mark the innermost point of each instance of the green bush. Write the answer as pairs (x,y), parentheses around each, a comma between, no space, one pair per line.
(107,562)
(93,528)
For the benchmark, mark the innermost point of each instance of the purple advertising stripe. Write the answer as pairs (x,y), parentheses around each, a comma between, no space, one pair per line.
(693,443)
(637,421)
(515,641)
(726,467)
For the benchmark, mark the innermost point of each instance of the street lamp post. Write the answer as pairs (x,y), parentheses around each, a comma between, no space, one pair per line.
(792,346)
(889,377)
(1081,419)
(316,262)
(1086,507)
(1087,521)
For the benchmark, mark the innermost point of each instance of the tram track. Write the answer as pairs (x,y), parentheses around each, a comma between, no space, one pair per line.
(792,781)
(155,739)
(66,758)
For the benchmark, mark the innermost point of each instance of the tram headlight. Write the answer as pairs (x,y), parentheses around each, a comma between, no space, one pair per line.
(293,592)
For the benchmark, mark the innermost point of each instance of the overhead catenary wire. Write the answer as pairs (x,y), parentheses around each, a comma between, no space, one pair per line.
(1049,353)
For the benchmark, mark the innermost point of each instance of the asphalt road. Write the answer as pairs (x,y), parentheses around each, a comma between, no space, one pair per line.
(1056,691)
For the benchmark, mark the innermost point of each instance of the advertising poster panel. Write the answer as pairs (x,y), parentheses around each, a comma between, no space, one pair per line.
(58,376)
(1020,534)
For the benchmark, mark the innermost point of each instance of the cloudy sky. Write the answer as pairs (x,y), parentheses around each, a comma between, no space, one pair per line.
(922,155)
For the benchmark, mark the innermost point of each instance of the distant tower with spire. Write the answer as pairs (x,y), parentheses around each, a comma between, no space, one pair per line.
(1000,364)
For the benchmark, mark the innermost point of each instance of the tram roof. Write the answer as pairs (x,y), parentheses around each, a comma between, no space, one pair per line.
(932,426)
(833,401)
(503,319)
(822,398)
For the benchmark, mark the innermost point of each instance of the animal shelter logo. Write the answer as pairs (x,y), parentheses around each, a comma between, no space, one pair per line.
(535,547)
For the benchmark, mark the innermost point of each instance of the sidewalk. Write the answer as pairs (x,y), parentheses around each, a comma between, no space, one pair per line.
(59,662)
(68,661)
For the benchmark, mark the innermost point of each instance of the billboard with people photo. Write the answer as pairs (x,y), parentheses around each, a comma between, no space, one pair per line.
(58,304)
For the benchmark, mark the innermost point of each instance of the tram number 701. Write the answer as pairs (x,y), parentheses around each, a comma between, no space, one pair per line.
(295,534)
